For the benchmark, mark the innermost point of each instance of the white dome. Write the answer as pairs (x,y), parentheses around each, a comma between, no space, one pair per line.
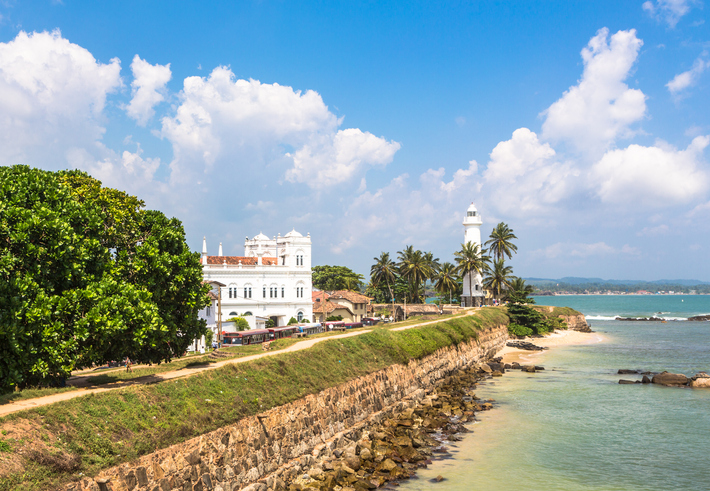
(261,236)
(472,208)
(293,233)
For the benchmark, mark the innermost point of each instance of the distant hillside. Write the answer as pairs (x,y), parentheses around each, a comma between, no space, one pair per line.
(577,281)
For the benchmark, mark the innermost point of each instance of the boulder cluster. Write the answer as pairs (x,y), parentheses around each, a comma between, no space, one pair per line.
(699,380)
(525,345)
(394,448)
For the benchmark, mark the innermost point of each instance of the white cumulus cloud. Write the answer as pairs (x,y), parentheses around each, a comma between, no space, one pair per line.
(654,176)
(148,89)
(239,126)
(403,211)
(669,11)
(332,159)
(52,97)
(525,175)
(601,107)
(688,78)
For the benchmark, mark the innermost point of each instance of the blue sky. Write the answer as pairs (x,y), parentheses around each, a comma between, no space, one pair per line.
(583,125)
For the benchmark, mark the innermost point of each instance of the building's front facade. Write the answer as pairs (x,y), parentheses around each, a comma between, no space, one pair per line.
(272,280)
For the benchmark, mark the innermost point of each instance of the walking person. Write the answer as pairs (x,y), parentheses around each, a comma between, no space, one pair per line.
(128,365)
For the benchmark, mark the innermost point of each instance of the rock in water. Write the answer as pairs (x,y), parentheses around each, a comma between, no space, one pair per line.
(665,378)
(645,380)
(700,380)
(622,381)
(624,371)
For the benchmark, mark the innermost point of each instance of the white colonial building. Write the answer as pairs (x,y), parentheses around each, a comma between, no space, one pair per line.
(473,294)
(272,280)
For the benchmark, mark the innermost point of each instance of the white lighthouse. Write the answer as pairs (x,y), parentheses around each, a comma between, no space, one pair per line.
(473,294)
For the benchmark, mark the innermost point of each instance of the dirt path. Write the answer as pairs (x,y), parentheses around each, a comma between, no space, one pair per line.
(21,405)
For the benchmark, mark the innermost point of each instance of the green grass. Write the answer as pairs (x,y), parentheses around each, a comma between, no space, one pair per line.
(557,311)
(5,446)
(109,428)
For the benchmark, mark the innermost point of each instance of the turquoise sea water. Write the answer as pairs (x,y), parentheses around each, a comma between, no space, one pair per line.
(573,427)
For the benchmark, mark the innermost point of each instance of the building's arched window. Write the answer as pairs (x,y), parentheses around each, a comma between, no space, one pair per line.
(247,313)
(233,314)
(283,292)
(300,316)
(247,291)
(264,291)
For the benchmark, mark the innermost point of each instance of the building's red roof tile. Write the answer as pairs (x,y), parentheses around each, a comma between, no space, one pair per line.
(329,307)
(246,261)
(353,297)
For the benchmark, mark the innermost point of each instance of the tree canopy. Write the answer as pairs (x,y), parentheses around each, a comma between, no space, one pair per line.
(87,275)
(335,278)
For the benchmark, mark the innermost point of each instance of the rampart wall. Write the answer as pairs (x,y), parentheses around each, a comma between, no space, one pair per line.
(247,454)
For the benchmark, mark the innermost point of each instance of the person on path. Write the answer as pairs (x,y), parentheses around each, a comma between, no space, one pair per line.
(128,365)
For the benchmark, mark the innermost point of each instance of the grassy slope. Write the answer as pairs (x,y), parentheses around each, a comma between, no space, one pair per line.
(87,434)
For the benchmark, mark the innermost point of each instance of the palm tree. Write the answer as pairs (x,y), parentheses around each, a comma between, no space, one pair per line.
(385,270)
(469,260)
(415,269)
(501,241)
(498,277)
(432,263)
(447,279)
(519,291)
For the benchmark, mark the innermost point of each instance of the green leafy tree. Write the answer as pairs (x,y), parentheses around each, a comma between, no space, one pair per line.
(88,276)
(330,278)
(501,242)
(292,321)
(471,260)
(498,277)
(240,323)
(447,280)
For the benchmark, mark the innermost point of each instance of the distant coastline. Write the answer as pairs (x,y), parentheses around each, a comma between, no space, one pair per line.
(568,294)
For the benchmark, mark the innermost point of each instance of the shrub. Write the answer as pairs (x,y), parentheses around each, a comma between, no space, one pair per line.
(518,330)
(292,321)
(529,317)
(334,318)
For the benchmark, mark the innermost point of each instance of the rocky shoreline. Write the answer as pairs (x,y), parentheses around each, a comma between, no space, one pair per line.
(383,453)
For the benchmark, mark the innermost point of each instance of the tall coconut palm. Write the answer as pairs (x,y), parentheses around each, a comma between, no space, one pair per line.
(447,279)
(433,264)
(471,260)
(384,270)
(498,277)
(415,269)
(501,241)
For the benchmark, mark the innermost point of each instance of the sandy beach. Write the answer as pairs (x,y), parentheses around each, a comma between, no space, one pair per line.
(555,339)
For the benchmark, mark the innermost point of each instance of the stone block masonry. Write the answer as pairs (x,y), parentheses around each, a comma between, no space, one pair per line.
(287,438)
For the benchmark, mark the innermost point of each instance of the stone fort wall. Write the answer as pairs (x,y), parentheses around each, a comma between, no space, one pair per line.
(248,453)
